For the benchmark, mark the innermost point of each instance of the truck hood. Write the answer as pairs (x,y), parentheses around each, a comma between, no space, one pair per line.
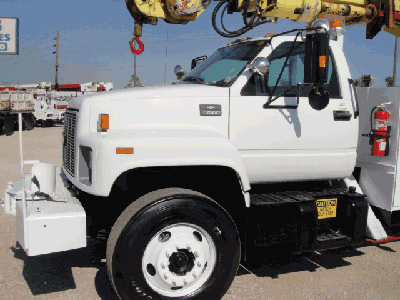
(173,106)
(153,92)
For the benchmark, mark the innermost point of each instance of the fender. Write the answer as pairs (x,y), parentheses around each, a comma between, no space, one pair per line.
(157,147)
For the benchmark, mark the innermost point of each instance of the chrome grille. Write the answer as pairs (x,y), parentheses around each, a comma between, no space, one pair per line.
(69,142)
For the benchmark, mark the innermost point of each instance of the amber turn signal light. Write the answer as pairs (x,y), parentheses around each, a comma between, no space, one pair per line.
(104,122)
(124,150)
(322,61)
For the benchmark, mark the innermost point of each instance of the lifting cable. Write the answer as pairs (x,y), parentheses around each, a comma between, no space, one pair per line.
(255,19)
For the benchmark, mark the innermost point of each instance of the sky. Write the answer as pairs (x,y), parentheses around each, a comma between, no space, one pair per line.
(94,36)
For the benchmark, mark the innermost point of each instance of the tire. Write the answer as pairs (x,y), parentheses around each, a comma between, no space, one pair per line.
(2,126)
(27,122)
(9,124)
(30,122)
(173,244)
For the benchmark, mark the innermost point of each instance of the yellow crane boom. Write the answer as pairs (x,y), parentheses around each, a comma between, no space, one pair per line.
(374,14)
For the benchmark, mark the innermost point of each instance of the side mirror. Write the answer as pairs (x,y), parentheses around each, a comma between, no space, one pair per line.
(179,72)
(316,60)
(193,64)
(318,98)
(260,65)
(197,61)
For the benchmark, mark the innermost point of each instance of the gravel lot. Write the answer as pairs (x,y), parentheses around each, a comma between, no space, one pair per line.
(368,272)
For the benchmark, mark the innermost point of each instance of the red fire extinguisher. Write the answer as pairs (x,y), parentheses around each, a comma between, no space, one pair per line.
(379,136)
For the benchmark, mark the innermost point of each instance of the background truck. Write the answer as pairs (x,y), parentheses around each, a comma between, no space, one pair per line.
(46,112)
(11,103)
(59,104)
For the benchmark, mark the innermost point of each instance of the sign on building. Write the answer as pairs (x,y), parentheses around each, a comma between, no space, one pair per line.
(9,36)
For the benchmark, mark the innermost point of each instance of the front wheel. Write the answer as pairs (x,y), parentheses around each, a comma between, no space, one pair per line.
(173,244)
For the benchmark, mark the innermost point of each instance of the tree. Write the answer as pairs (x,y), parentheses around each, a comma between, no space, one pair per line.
(365,81)
(389,81)
(132,81)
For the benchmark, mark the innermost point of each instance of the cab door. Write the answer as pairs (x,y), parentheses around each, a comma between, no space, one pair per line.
(289,140)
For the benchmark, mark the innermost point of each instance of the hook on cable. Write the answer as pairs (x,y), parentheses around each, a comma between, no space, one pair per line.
(141,46)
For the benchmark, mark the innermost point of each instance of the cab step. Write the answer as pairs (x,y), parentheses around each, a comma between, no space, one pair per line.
(335,236)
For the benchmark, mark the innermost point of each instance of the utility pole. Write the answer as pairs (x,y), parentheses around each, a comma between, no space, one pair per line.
(57,48)
(166,56)
(395,62)
(134,65)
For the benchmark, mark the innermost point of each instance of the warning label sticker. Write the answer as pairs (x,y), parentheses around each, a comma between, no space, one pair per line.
(326,208)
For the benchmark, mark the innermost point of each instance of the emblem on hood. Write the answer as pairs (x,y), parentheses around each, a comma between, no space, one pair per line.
(210,110)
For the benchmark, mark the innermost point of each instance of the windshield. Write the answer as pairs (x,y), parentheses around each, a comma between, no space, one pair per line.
(222,67)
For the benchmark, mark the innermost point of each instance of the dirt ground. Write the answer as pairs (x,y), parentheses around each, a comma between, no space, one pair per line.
(367,272)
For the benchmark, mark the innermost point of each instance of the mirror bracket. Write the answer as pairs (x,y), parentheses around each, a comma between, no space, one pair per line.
(299,86)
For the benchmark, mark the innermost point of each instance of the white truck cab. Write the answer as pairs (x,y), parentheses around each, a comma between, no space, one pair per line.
(220,106)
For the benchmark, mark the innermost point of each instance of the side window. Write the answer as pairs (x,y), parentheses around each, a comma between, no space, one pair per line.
(294,71)
(292,74)
(256,86)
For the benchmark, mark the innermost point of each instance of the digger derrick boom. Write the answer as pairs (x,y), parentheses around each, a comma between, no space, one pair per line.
(374,14)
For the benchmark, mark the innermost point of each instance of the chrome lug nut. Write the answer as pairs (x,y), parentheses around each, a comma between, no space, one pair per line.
(165,276)
(194,274)
(173,282)
(163,265)
(199,264)
(168,254)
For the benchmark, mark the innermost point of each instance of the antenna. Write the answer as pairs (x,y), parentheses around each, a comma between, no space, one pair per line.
(395,62)
(56,52)
(166,56)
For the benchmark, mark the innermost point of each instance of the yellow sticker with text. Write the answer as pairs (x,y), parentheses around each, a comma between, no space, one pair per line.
(326,208)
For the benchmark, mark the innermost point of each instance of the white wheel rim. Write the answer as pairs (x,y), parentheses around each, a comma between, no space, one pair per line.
(179,259)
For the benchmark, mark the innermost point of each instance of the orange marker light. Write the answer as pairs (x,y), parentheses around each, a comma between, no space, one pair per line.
(104,122)
(335,23)
(124,150)
(268,34)
(322,61)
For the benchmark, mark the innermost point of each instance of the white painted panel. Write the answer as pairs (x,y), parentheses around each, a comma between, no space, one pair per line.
(49,234)
(380,174)
(52,225)
(274,166)
(378,185)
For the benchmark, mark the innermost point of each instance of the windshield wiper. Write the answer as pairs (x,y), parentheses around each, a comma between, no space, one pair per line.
(194,78)
(220,83)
